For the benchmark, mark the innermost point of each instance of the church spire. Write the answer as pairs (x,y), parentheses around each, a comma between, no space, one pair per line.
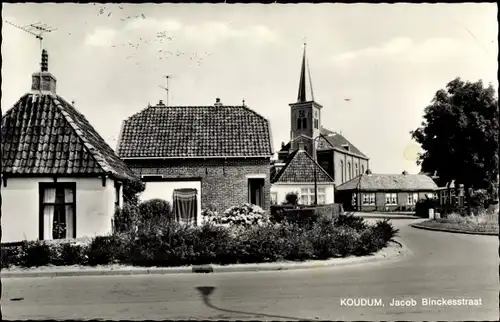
(302,95)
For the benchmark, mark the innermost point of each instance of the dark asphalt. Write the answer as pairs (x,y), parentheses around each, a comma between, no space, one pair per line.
(443,265)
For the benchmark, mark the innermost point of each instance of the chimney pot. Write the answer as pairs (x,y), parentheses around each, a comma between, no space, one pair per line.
(217,102)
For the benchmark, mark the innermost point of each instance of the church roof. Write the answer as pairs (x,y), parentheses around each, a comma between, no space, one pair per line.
(336,140)
(194,132)
(332,140)
(388,182)
(299,168)
(42,134)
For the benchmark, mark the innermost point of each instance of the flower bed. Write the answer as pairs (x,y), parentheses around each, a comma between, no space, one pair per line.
(476,224)
(242,234)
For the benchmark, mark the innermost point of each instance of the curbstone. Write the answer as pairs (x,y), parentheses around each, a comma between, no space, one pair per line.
(456,231)
(388,253)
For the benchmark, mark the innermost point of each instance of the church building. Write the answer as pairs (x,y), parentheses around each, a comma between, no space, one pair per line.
(339,158)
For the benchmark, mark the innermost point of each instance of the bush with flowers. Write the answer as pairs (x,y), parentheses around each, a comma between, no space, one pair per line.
(246,215)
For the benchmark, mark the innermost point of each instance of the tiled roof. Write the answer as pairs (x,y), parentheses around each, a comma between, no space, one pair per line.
(195,131)
(42,134)
(338,141)
(299,167)
(330,140)
(401,182)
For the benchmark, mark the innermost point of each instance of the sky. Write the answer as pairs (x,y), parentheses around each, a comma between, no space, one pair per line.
(387,60)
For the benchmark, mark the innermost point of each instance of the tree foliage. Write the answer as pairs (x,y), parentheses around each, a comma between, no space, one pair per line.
(459,135)
(131,191)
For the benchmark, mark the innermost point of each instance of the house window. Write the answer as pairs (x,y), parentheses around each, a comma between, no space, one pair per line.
(349,170)
(342,171)
(316,123)
(57,211)
(362,169)
(299,123)
(321,196)
(274,198)
(412,198)
(256,192)
(391,198)
(118,187)
(356,169)
(304,123)
(369,199)
(307,196)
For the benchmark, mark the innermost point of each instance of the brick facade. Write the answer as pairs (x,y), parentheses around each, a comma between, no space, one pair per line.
(345,197)
(224,182)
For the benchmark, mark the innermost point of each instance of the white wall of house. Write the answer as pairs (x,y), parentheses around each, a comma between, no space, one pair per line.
(20,207)
(165,189)
(280,190)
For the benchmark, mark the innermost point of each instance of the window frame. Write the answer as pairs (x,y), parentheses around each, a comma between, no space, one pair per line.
(392,197)
(368,200)
(42,186)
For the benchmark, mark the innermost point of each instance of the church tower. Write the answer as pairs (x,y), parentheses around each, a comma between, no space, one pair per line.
(305,113)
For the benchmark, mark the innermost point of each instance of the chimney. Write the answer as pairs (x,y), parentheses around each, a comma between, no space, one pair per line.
(217,102)
(368,171)
(43,80)
(405,172)
(160,104)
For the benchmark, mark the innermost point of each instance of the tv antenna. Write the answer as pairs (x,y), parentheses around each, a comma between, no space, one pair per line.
(166,88)
(36,29)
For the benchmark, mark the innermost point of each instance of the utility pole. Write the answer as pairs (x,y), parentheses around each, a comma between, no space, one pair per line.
(166,88)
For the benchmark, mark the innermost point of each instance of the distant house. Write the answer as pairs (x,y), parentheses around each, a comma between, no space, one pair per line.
(339,157)
(297,175)
(60,180)
(199,156)
(385,192)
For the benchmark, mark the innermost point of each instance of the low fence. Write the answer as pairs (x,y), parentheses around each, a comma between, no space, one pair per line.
(304,212)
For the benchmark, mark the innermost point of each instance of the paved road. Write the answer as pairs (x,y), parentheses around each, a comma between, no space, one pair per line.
(443,265)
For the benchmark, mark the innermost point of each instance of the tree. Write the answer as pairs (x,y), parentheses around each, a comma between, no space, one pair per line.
(459,136)
(131,191)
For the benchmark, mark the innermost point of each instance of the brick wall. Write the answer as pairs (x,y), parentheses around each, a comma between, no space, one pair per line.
(224,183)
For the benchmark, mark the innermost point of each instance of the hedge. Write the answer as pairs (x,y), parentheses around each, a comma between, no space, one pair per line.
(177,245)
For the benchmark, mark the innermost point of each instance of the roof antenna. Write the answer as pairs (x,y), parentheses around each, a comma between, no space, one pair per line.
(166,88)
(36,29)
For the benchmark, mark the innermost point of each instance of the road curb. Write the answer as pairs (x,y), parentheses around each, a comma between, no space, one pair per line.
(388,253)
(456,231)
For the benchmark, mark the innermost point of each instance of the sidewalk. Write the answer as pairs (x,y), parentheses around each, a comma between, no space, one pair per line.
(392,252)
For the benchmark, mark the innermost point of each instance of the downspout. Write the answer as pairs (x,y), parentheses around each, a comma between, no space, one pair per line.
(358,201)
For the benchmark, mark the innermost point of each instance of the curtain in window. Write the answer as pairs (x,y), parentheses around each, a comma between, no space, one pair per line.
(49,196)
(69,198)
(185,206)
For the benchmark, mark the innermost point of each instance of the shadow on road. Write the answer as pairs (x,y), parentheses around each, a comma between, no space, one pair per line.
(206,291)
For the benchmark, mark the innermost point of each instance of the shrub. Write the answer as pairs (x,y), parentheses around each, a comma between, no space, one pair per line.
(291,198)
(103,250)
(244,215)
(304,217)
(68,254)
(10,256)
(131,191)
(154,214)
(35,253)
(422,207)
(385,230)
(349,220)
(260,244)
(126,219)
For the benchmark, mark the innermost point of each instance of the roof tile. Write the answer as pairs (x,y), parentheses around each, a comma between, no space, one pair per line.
(299,168)
(401,182)
(43,134)
(195,131)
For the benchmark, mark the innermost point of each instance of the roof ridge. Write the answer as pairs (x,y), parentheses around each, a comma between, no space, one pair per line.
(79,133)
(94,151)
